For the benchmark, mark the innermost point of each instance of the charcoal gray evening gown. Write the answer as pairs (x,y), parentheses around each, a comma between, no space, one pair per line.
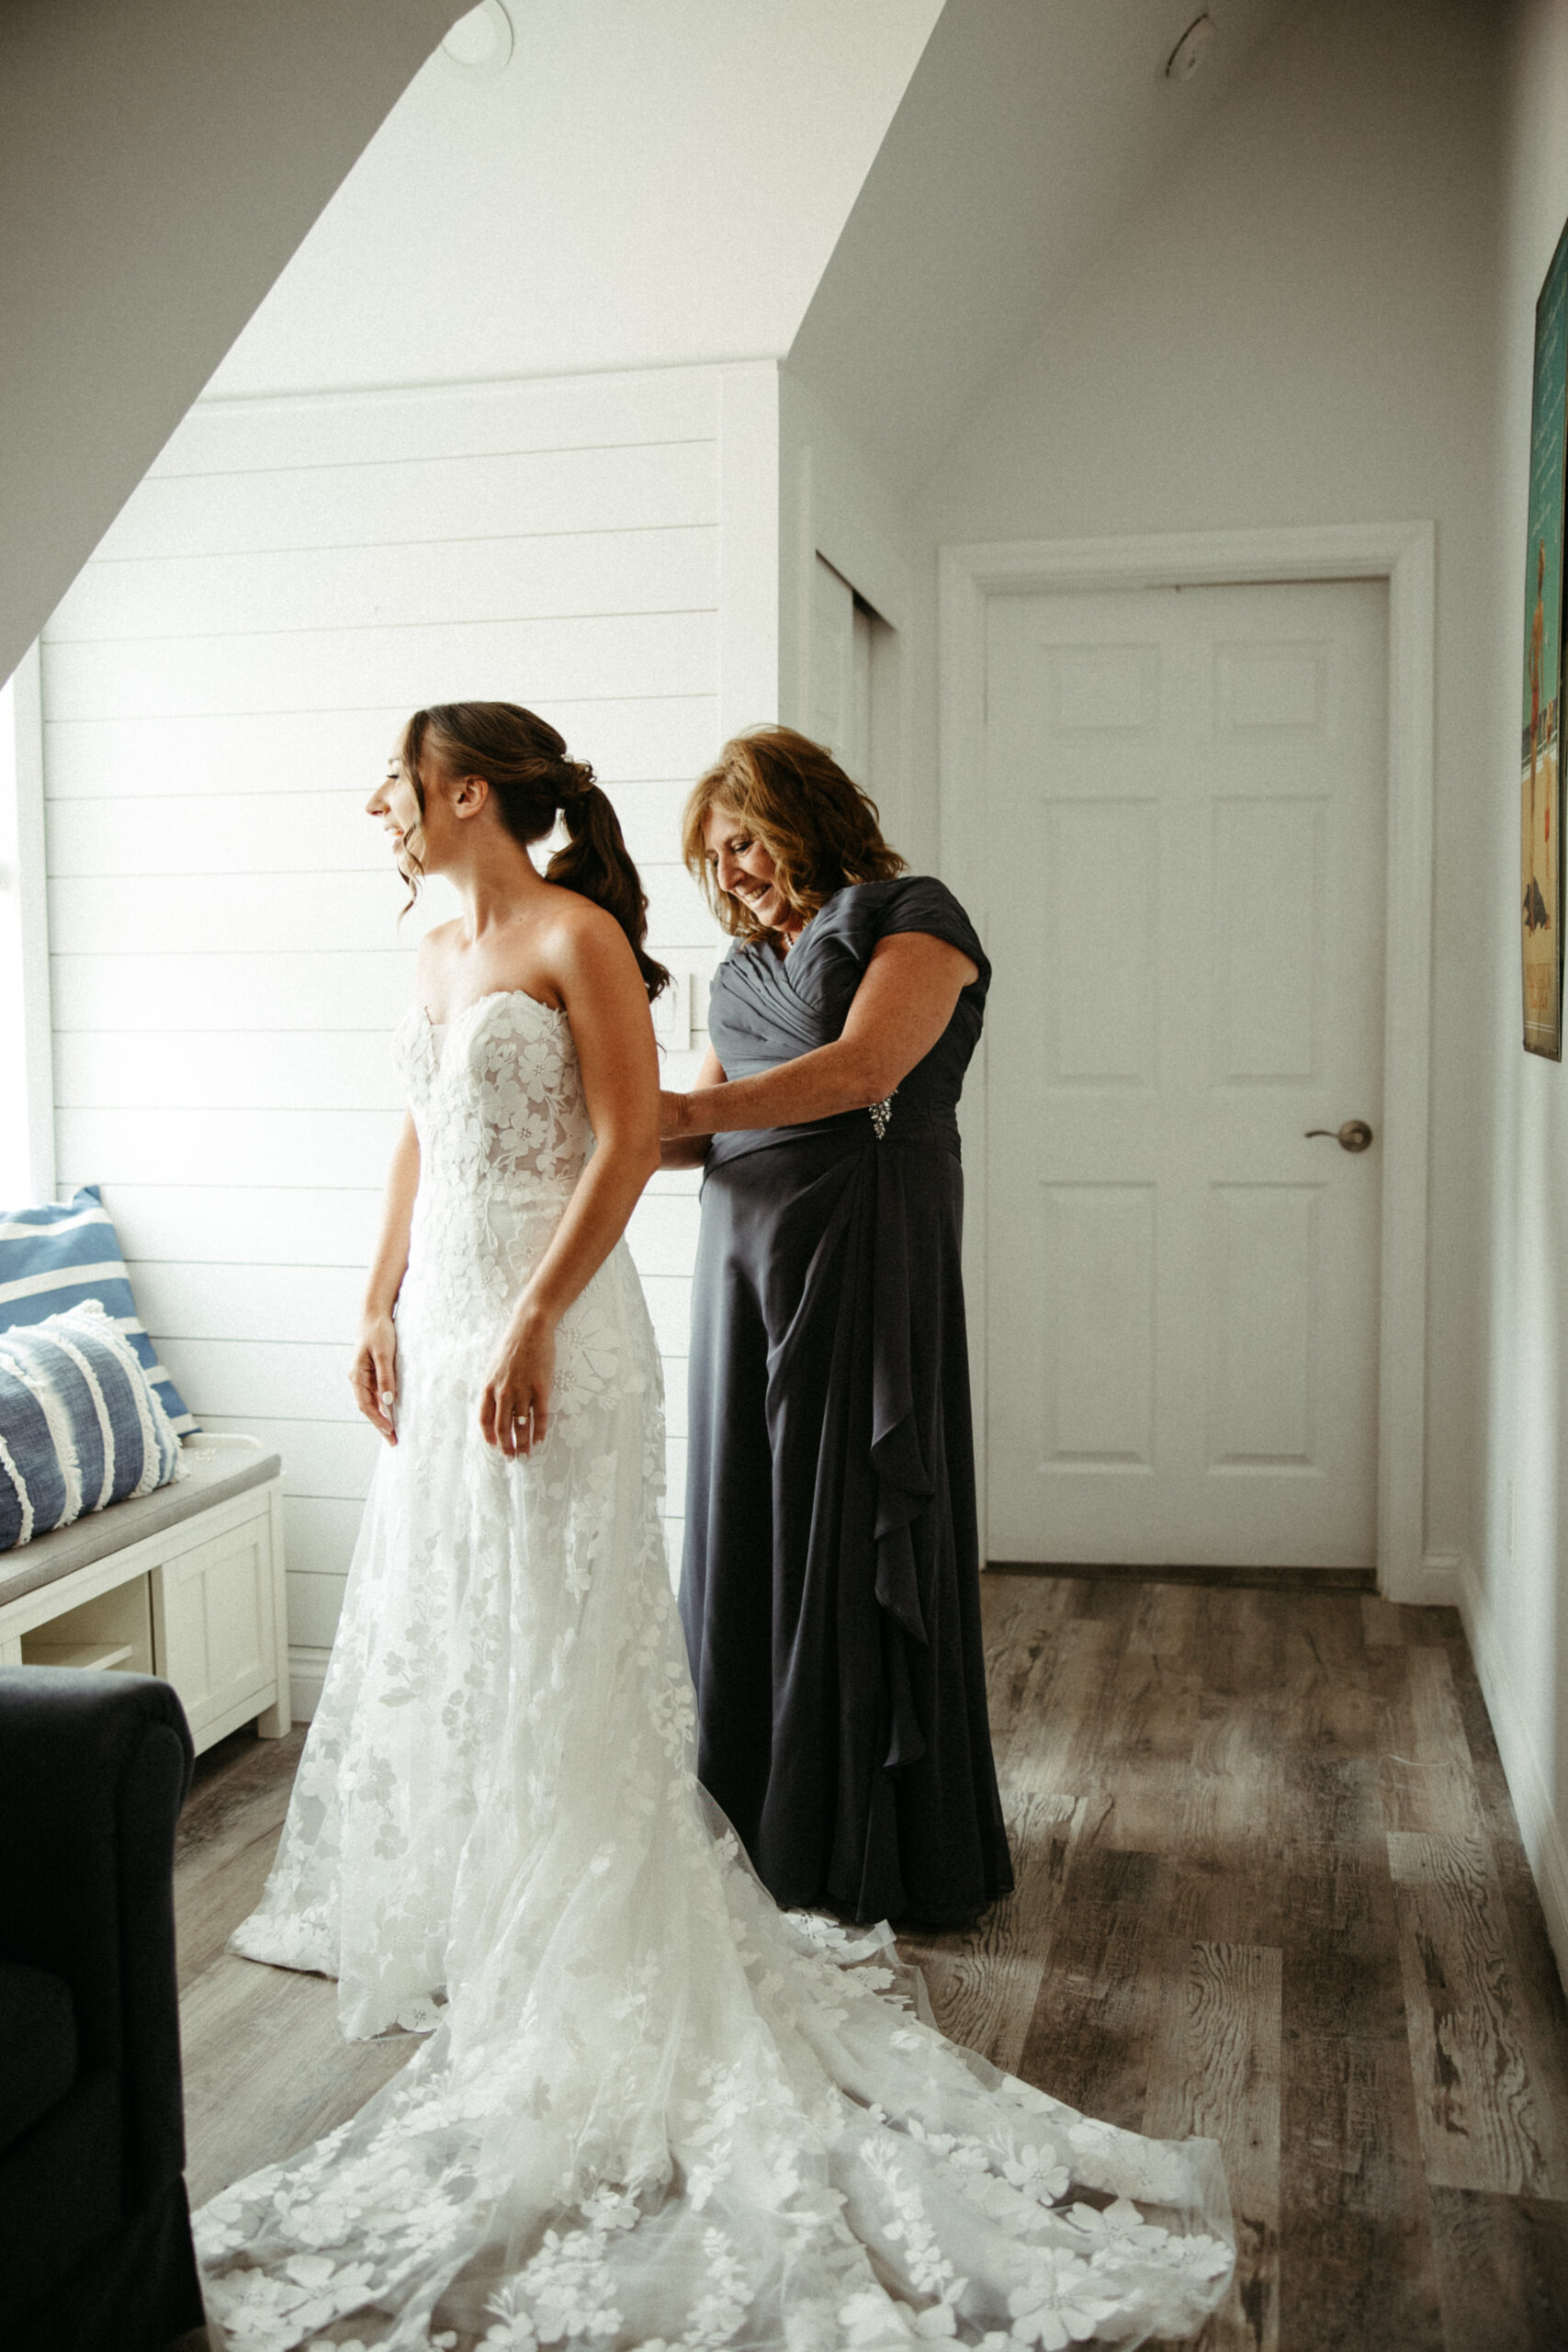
(830,1590)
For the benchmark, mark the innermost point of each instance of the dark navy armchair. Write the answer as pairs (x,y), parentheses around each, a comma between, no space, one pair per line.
(95,2233)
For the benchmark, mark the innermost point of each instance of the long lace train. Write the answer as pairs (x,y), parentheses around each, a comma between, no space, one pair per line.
(655,2113)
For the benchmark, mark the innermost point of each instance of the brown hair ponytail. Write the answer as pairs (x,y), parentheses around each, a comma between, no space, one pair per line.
(527,765)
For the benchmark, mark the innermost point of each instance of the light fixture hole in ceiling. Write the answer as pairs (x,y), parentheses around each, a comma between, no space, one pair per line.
(1189,51)
(480,42)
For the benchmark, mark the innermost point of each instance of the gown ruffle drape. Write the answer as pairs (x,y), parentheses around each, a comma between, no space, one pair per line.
(830,1583)
(655,2113)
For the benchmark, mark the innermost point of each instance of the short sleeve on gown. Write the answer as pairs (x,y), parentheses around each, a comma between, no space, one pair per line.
(868,911)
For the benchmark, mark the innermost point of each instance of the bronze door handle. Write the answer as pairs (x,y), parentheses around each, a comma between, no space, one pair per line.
(1354,1136)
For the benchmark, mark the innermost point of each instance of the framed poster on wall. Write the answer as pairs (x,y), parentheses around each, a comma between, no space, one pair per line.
(1540,794)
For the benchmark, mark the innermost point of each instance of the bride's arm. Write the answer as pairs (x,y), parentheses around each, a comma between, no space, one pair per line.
(596,977)
(374,1377)
(912,983)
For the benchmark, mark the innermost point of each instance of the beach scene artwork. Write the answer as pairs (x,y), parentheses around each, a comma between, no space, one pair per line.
(1541,808)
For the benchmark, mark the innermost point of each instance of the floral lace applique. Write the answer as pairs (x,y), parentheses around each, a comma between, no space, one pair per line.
(653,2113)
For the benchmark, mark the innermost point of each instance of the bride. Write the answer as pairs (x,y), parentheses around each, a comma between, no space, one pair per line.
(654,2111)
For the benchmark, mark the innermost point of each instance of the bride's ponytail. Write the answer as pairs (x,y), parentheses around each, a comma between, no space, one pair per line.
(596,861)
(527,767)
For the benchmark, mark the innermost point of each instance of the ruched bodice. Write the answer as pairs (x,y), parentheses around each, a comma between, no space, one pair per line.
(766,1008)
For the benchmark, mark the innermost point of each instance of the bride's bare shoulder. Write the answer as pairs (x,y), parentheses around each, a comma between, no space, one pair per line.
(588,955)
(575,926)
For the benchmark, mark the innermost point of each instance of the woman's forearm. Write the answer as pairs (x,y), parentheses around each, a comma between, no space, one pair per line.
(390,1262)
(899,1010)
(819,1085)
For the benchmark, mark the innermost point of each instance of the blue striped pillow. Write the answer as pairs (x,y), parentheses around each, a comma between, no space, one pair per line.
(54,1257)
(81,1425)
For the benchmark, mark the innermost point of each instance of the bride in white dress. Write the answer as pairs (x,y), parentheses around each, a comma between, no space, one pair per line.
(654,2111)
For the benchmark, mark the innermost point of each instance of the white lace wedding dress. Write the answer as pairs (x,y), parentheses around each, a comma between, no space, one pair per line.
(655,2113)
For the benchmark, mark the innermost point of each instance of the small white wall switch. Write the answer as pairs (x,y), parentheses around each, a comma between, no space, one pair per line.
(673,1013)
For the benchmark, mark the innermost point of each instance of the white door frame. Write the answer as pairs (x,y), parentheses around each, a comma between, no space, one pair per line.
(1404,555)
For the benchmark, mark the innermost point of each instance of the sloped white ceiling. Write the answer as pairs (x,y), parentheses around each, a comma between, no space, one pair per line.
(159,162)
(647,182)
(1030,130)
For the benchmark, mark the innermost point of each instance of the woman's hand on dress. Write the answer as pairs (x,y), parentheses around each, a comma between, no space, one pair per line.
(374,1379)
(514,1412)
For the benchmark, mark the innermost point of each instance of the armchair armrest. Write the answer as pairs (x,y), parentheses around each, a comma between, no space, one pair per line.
(93,1770)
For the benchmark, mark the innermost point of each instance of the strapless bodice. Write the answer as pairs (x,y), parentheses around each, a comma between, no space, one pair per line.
(496,1095)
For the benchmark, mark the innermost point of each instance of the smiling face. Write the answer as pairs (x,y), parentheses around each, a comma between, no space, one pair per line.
(396,802)
(423,815)
(743,868)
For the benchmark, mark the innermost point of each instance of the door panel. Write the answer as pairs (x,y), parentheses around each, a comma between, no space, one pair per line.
(1264,1010)
(1183,817)
(1098,1260)
(1264,1277)
(1101,854)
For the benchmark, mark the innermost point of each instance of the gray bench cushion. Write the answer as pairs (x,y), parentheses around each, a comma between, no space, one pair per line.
(212,1476)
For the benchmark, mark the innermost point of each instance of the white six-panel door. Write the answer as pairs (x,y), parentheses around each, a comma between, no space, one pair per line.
(1184,813)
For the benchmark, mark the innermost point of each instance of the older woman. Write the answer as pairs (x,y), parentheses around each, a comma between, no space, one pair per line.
(830,1590)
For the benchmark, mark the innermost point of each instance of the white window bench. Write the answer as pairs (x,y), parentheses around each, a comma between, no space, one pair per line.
(185,1582)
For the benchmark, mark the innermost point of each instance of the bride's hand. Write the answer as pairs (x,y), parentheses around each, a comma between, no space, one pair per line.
(514,1411)
(374,1379)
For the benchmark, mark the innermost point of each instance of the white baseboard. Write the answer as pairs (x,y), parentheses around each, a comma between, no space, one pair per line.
(307,1672)
(1440,1583)
(1545,1843)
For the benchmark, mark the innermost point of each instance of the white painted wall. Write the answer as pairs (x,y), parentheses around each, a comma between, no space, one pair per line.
(26,1078)
(1517,1601)
(834,503)
(220,689)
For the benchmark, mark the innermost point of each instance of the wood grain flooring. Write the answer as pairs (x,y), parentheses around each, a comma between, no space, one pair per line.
(1270,1888)
(266,2070)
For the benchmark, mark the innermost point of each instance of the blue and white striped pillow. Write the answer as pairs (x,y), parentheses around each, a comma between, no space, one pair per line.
(54,1257)
(81,1425)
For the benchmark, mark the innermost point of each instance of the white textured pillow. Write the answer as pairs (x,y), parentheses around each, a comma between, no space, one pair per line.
(81,1425)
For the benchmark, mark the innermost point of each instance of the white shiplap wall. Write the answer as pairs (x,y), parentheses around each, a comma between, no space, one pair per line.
(219,690)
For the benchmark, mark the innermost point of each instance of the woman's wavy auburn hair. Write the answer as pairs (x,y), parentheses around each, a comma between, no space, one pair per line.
(820,830)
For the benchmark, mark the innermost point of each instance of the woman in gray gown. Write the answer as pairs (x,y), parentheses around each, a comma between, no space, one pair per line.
(829,1588)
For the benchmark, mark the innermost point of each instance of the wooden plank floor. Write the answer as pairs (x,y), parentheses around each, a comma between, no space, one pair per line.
(1269,1887)
(266,2070)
